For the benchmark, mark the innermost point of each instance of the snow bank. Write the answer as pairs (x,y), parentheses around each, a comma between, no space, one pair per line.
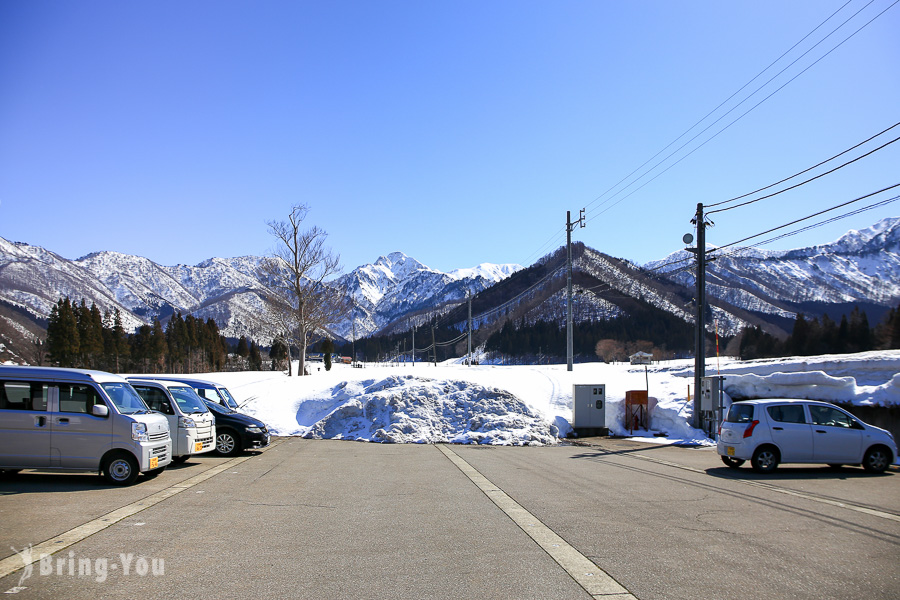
(410,409)
(491,404)
(812,385)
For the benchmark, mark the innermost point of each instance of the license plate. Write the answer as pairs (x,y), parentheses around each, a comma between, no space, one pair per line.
(729,450)
(154,462)
(198,446)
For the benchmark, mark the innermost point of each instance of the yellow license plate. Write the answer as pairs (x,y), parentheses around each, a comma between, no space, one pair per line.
(729,450)
(154,462)
(198,446)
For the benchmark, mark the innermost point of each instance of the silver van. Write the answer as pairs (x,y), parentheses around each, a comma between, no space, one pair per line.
(192,425)
(79,420)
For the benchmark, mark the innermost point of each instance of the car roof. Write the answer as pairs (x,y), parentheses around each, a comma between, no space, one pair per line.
(167,383)
(188,380)
(60,373)
(782,401)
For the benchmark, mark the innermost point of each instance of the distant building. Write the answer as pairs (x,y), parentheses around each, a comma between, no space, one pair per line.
(641,358)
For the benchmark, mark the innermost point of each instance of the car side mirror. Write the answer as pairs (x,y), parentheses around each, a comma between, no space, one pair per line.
(100,410)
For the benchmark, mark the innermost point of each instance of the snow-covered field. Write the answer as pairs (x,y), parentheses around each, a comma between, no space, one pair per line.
(530,405)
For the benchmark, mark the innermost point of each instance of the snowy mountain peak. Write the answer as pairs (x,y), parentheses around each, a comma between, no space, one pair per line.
(489,271)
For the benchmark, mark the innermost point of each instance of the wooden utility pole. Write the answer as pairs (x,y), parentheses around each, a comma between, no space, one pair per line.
(569,332)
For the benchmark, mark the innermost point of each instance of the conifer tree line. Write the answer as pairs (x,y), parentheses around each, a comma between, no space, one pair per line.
(824,336)
(79,336)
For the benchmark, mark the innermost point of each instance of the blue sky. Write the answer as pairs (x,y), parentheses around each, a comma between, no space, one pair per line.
(456,132)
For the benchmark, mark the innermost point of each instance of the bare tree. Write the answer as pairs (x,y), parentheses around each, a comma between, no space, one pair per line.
(304,304)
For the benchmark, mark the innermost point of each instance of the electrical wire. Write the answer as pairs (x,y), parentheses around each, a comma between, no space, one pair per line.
(810,216)
(762,189)
(787,189)
(692,127)
(744,113)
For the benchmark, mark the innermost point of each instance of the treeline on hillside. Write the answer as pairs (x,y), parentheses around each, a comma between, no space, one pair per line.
(79,336)
(543,338)
(814,337)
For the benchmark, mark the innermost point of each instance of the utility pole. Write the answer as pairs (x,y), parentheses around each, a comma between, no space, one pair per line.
(569,335)
(433,346)
(700,328)
(469,326)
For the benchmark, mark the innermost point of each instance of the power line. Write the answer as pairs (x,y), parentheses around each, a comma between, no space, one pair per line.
(762,189)
(787,189)
(670,155)
(810,216)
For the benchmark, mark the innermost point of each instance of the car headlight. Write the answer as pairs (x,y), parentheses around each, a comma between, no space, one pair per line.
(186,422)
(139,432)
(254,429)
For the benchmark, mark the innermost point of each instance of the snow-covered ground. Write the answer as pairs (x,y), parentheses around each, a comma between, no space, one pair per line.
(529,405)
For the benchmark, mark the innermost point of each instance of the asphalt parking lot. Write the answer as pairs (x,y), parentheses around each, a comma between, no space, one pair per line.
(330,519)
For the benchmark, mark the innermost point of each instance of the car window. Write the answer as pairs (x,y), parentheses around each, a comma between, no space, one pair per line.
(22,395)
(787,413)
(229,399)
(188,400)
(155,399)
(78,398)
(740,413)
(125,398)
(831,417)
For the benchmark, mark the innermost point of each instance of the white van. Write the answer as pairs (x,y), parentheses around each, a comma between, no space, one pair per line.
(192,425)
(79,420)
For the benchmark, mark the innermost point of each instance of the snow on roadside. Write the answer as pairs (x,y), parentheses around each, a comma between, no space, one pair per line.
(516,405)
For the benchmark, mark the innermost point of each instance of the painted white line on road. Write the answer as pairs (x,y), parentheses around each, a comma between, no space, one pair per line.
(596,582)
(768,486)
(11,564)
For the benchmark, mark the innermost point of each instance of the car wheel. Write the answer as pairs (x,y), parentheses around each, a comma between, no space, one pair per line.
(227,443)
(121,469)
(876,459)
(765,459)
(733,463)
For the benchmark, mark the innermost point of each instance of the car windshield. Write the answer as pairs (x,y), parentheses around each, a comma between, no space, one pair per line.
(218,408)
(229,399)
(188,400)
(125,398)
(740,413)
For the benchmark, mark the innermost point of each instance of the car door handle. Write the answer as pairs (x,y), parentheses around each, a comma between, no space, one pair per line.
(820,431)
(778,428)
(63,421)
(39,421)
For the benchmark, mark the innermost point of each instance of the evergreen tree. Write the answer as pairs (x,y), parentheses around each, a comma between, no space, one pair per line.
(255,357)
(158,347)
(278,352)
(62,334)
(327,350)
(243,349)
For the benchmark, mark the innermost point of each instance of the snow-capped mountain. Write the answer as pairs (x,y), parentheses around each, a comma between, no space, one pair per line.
(861,266)
(228,290)
(396,285)
(747,286)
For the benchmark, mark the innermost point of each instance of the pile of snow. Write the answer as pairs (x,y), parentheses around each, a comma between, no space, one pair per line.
(812,385)
(409,409)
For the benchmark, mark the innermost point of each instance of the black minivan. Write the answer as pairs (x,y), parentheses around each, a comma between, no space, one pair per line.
(236,431)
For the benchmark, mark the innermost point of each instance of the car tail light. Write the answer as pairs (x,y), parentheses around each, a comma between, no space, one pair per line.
(749,431)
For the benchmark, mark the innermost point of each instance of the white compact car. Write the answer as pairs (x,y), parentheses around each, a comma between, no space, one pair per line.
(773,431)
